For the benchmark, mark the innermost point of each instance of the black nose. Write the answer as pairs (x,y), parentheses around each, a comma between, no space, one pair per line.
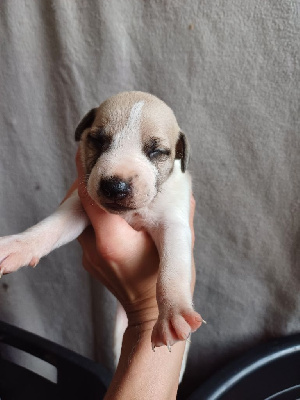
(114,188)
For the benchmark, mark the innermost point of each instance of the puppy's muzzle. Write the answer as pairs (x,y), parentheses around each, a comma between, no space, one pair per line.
(114,194)
(114,188)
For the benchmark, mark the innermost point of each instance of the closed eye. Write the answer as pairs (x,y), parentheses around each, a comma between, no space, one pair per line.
(155,150)
(158,153)
(99,139)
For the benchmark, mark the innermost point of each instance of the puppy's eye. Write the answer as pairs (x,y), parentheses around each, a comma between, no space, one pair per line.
(97,137)
(99,140)
(154,154)
(158,153)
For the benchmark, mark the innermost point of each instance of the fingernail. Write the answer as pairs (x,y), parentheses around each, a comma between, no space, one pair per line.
(1,272)
(204,322)
(169,347)
(153,347)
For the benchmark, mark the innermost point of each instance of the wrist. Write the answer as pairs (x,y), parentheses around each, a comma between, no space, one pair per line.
(142,312)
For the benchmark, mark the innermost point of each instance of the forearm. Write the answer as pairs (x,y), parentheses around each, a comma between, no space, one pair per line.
(142,373)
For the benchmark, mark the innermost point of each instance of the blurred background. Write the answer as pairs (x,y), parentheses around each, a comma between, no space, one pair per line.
(230,71)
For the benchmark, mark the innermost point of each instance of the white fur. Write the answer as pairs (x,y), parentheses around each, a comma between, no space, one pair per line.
(131,132)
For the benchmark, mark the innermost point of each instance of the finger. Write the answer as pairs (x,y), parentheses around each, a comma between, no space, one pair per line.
(192,209)
(98,274)
(193,280)
(192,214)
(87,239)
(73,187)
(95,264)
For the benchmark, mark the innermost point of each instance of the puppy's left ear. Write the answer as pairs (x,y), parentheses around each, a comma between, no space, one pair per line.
(85,123)
(182,151)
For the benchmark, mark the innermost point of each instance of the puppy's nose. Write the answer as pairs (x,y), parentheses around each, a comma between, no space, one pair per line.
(114,188)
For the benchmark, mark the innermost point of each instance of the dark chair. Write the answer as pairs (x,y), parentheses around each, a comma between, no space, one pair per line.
(268,372)
(77,377)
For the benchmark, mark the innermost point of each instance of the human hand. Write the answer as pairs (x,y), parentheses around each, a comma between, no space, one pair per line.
(127,262)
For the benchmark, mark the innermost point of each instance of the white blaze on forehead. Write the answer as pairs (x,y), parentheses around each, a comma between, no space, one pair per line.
(129,135)
(135,115)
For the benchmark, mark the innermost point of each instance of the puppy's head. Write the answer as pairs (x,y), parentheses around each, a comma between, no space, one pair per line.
(128,147)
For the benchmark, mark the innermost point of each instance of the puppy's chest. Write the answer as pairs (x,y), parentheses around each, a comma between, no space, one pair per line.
(171,203)
(142,220)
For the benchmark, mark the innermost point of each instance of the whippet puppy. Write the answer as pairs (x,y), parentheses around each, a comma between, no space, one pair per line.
(135,159)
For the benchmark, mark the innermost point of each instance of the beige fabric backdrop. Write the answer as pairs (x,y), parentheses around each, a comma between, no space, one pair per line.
(230,71)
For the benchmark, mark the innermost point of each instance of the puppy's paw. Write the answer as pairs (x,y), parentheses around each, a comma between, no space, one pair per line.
(17,251)
(174,325)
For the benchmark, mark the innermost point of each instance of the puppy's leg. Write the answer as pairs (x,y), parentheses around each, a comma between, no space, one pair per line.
(172,236)
(26,248)
(177,318)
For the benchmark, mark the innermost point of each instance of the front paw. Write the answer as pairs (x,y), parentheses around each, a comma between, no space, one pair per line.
(17,251)
(175,324)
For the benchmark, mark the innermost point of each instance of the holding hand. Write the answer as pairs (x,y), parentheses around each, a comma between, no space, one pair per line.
(127,262)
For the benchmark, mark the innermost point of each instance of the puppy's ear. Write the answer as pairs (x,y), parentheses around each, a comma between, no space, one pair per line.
(86,122)
(182,151)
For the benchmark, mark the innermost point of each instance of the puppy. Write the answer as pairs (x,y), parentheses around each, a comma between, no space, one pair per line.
(135,158)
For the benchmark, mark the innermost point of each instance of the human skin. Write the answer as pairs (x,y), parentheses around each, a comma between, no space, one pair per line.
(126,262)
